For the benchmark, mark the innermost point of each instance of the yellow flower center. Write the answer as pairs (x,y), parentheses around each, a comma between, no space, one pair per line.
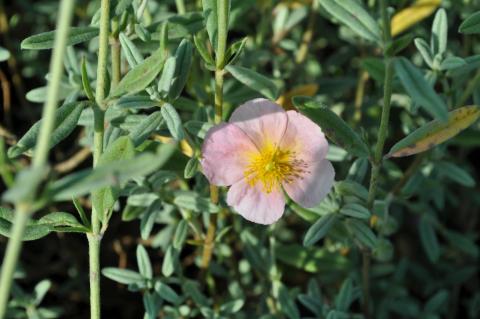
(272,166)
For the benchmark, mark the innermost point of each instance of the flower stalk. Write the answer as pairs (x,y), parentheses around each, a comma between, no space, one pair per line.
(376,161)
(222,12)
(94,238)
(23,210)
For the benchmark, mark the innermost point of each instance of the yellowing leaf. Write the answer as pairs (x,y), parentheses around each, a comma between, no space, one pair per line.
(409,16)
(436,132)
(285,100)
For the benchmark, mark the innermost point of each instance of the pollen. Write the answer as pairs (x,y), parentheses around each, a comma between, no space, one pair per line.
(273,166)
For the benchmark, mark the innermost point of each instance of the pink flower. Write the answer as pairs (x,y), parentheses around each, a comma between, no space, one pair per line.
(264,151)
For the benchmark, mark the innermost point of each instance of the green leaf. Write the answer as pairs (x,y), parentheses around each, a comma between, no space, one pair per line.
(471,25)
(419,89)
(353,15)
(180,234)
(375,67)
(138,78)
(199,41)
(319,229)
(198,128)
(351,188)
(234,51)
(438,301)
(142,33)
(45,40)
(399,44)
(435,132)
(41,290)
(345,296)
(232,307)
(183,58)
(362,232)
(144,263)
(142,131)
(4,54)
(173,121)
(26,185)
(32,232)
(121,6)
(287,304)
(191,168)
(425,52)
(87,88)
(193,201)
(211,20)
(462,242)
(148,219)
(152,304)
(60,219)
(191,289)
(455,173)
(439,37)
(122,149)
(123,276)
(333,126)
(255,81)
(166,79)
(355,210)
(136,102)
(452,62)
(119,172)
(167,293)
(132,54)
(429,239)
(168,265)
(66,118)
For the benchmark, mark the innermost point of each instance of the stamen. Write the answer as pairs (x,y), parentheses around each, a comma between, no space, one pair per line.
(273,166)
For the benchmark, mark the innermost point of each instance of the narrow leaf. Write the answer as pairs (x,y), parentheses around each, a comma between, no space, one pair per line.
(471,25)
(255,81)
(66,118)
(419,89)
(45,40)
(429,239)
(143,262)
(436,132)
(352,14)
(319,229)
(123,276)
(141,75)
(362,232)
(334,127)
(439,37)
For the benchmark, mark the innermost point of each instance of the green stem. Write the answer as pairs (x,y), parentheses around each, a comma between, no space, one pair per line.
(22,215)
(470,89)
(94,266)
(222,11)
(218,96)
(94,238)
(103,53)
(24,210)
(378,155)
(180,6)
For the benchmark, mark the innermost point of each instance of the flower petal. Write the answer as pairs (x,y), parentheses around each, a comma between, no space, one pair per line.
(304,138)
(254,204)
(225,154)
(313,186)
(262,120)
